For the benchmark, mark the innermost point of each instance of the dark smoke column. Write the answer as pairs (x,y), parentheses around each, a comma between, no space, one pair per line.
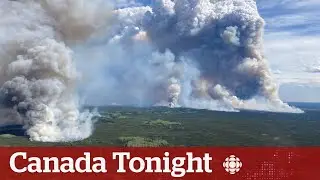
(224,39)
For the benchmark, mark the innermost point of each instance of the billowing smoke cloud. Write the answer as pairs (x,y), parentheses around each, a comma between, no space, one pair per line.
(38,72)
(191,53)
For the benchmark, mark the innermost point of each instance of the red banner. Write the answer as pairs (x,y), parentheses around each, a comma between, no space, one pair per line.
(159,163)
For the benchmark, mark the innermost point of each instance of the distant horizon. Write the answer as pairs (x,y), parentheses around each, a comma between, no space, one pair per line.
(127,105)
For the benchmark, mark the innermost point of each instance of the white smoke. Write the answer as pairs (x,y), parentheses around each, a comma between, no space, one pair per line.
(38,74)
(191,53)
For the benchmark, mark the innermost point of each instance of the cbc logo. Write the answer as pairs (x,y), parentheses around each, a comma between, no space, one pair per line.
(232,164)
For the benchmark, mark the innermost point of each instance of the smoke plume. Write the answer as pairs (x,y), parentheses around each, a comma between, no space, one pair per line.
(38,72)
(191,53)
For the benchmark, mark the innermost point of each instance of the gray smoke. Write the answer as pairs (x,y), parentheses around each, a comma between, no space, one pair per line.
(38,72)
(191,53)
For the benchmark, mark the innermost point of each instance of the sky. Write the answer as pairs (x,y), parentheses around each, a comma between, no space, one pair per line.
(292,48)
(291,45)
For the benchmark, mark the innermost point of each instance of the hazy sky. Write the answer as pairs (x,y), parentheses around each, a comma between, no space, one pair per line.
(291,45)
